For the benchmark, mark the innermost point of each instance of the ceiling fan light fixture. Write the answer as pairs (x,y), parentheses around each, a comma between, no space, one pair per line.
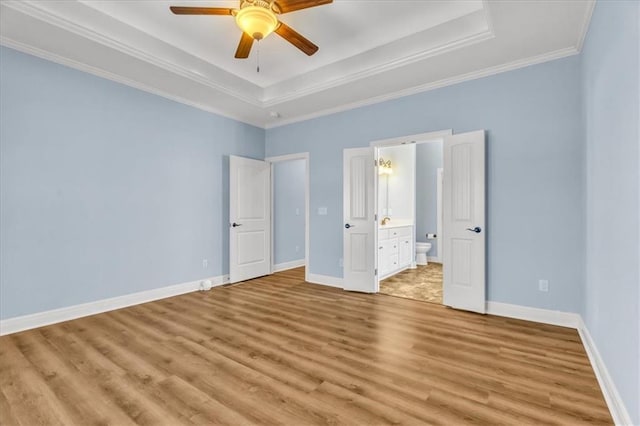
(257,21)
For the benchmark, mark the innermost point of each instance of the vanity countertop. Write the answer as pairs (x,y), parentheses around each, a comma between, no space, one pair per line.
(395,224)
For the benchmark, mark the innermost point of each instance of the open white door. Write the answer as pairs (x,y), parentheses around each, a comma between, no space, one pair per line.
(359,223)
(249,218)
(464,221)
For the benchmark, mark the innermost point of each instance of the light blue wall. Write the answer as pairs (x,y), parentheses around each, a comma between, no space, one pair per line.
(611,86)
(106,190)
(429,157)
(288,205)
(535,178)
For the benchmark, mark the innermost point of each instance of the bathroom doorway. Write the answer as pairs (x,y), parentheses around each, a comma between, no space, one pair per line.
(409,212)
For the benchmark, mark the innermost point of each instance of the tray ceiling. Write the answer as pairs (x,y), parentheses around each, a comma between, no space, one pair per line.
(369,50)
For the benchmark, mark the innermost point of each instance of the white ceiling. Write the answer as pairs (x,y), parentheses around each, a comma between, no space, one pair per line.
(370,50)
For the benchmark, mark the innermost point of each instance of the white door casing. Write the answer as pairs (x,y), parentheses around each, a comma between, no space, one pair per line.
(359,223)
(249,218)
(464,221)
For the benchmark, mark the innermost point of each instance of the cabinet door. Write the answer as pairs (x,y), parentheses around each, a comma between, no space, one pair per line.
(384,253)
(404,252)
(393,260)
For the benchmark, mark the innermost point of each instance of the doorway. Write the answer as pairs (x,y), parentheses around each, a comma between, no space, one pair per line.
(410,231)
(463,220)
(290,212)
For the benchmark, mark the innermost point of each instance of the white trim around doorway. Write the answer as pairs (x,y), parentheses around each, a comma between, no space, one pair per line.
(402,140)
(290,157)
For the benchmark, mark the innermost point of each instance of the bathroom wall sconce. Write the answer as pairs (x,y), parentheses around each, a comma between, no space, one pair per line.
(384,167)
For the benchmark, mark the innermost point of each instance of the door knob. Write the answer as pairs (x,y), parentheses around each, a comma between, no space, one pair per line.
(236,224)
(477,229)
(348,226)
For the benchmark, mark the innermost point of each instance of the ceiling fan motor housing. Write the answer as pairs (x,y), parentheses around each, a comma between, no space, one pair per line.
(256,18)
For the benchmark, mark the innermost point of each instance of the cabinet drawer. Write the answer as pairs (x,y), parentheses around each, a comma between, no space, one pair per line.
(404,231)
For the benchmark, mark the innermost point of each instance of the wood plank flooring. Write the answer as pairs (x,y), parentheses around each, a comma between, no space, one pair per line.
(277,350)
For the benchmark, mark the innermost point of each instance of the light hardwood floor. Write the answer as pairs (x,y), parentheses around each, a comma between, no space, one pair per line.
(276,350)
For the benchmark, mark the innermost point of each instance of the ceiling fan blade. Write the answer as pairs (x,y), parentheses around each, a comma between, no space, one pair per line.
(244,48)
(287,6)
(297,39)
(186,10)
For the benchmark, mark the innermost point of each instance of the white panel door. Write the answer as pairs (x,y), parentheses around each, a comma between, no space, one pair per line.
(464,221)
(359,223)
(249,218)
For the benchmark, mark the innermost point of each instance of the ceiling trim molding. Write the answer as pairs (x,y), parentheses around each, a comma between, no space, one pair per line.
(80,66)
(558,54)
(60,22)
(585,25)
(391,65)
(36,12)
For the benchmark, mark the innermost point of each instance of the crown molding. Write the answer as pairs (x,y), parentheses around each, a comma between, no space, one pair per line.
(522,63)
(30,9)
(585,25)
(36,12)
(388,66)
(34,51)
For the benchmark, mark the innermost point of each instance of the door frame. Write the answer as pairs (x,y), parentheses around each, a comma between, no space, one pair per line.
(282,158)
(400,140)
(439,224)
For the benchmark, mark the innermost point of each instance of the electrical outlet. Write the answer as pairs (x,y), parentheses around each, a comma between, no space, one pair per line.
(205,263)
(543,285)
(340,262)
(322,211)
(297,249)
(297,212)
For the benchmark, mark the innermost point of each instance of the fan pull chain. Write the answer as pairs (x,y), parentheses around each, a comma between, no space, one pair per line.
(258,58)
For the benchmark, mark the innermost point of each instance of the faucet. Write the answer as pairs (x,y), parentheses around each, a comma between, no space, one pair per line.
(385,220)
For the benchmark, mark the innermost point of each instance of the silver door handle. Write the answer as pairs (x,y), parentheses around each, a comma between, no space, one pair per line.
(477,229)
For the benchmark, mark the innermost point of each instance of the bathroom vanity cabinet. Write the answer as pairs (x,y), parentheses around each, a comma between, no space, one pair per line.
(395,250)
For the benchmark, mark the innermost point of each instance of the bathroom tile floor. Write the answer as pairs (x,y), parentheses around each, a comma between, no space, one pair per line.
(423,283)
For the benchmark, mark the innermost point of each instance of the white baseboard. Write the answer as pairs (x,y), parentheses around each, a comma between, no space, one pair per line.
(325,280)
(288,265)
(546,316)
(40,319)
(568,319)
(616,406)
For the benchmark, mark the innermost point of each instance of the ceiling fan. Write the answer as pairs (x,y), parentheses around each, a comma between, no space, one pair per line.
(257,19)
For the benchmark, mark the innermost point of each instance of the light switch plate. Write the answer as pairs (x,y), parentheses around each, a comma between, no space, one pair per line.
(543,285)
(322,211)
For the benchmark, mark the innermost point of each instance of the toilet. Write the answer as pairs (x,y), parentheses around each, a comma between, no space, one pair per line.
(421,253)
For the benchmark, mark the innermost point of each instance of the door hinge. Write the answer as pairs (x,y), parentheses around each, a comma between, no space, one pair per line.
(375,272)
(375,217)
(375,163)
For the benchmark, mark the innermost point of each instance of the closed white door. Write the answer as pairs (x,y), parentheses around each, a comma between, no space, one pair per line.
(249,218)
(359,223)
(464,221)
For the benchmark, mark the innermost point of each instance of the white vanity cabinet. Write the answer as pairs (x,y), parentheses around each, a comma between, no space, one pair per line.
(395,249)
